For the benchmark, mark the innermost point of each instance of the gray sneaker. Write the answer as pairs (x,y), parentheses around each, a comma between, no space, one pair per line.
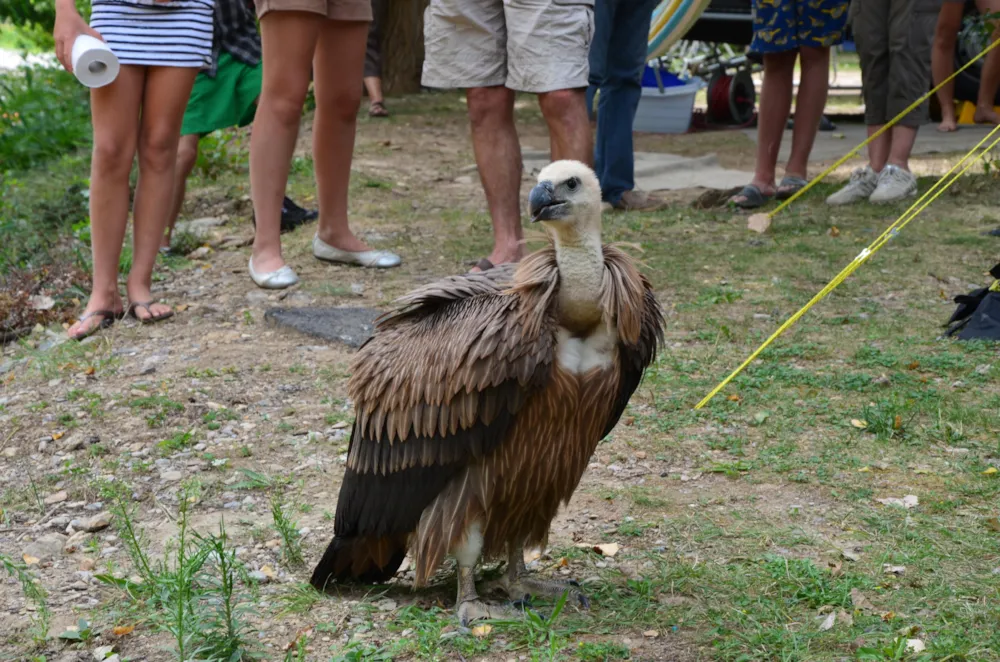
(862,185)
(894,184)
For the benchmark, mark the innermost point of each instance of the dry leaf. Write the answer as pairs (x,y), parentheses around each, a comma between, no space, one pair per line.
(888,616)
(268,572)
(897,422)
(734,398)
(651,634)
(993,524)
(828,622)
(482,630)
(834,231)
(991,471)
(858,423)
(909,501)
(759,223)
(893,569)
(339,425)
(836,569)
(859,600)
(563,562)
(915,645)
(844,618)
(56,436)
(181,307)
(864,470)
(123,630)
(30,560)
(914,365)
(609,549)
(89,371)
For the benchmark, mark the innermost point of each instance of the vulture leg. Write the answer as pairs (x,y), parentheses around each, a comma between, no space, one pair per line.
(521,586)
(470,607)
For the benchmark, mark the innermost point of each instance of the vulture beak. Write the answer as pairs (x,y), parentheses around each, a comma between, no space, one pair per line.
(544,205)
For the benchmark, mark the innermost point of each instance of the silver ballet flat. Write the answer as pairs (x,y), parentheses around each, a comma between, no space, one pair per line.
(375,259)
(274,280)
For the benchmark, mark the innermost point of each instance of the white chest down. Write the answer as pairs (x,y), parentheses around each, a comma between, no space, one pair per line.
(579,355)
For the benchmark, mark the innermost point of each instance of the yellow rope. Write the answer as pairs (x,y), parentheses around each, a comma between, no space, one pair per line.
(878,133)
(939,187)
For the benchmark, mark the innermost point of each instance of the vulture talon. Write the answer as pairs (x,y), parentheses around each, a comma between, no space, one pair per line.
(471,611)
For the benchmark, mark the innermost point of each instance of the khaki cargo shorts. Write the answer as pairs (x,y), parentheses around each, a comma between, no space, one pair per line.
(531,46)
(338,10)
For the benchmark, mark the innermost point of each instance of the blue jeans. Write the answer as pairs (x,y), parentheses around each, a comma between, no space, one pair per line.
(617,60)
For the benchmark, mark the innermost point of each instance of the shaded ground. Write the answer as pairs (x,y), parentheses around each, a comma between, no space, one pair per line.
(751,530)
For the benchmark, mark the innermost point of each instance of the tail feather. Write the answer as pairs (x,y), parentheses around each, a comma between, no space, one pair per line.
(359,561)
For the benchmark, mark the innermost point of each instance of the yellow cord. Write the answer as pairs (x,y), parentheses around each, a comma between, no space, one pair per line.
(878,133)
(939,187)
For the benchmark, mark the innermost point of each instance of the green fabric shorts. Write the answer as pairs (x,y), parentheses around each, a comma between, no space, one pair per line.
(229,99)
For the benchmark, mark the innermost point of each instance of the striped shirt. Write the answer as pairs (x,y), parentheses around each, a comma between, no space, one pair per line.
(149,33)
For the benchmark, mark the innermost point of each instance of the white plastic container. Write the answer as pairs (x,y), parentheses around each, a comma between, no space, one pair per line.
(668,111)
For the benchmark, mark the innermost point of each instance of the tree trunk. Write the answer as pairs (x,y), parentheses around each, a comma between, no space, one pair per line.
(403,47)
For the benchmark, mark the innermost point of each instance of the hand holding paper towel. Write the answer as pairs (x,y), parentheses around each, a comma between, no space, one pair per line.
(94,64)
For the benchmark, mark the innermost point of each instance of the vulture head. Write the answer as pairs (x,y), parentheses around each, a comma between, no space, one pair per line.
(567,199)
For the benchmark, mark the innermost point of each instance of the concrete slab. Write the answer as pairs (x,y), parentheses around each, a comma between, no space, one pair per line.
(831,145)
(347,326)
(663,172)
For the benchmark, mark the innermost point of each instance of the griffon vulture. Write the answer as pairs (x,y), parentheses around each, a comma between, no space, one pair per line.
(480,399)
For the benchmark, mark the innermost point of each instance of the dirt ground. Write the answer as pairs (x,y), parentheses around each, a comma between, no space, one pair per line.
(220,389)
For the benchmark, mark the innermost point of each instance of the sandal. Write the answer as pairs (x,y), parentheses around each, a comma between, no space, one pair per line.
(752,198)
(377,109)
(108,318)
(789,186)
(152,319)
(483,265)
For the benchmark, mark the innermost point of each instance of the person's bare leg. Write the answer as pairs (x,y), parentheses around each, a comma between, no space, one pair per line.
(187,156)
(772,117)
(878,149)
(289,41)
(809,104)
(565,113)
(163,102)
(989,79)
(339,61)
(943,60)
(901,145)
(498,157)
(115,119)
(373,85)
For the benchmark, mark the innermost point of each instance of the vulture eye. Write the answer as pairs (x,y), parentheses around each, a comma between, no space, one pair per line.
(572,183)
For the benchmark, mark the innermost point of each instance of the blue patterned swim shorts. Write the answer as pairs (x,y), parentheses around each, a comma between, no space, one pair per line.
(784,25)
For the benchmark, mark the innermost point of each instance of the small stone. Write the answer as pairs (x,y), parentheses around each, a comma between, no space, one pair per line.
(75,542)
(357,289)
(463,179)
(171,476)
(46,548)
(101,653)
(231,505)
(88,565)
(259,576)
(58,497)
(199,253)
(60,522)
(97,523)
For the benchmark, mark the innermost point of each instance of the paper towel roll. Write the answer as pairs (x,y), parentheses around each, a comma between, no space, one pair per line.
(94,64)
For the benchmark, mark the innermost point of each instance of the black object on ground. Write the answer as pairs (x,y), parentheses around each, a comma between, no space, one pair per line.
(978,313)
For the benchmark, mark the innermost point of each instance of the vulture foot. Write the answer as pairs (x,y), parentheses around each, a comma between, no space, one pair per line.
(477,610)
(526,587)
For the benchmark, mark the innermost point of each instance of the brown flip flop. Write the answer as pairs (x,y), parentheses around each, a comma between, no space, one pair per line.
(152,319)
(109,317)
